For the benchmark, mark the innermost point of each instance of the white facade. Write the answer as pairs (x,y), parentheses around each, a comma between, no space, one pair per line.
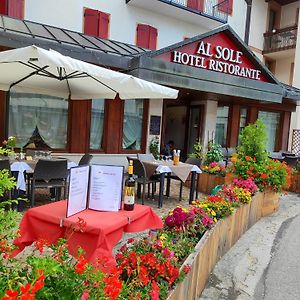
(68,14)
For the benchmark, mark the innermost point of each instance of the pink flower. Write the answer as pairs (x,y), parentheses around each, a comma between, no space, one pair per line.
(213,164)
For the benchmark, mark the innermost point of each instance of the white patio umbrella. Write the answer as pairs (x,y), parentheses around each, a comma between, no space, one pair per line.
(35,70)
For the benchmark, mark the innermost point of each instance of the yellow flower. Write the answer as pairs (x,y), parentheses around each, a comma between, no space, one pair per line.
(215,220)
(213,213)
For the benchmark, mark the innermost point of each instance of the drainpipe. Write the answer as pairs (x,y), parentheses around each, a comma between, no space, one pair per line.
(248,19)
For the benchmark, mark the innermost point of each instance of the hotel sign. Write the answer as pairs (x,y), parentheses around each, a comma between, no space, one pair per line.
(219,53)
(218,58)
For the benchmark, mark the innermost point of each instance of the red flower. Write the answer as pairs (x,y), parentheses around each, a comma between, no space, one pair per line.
(155,291)
(81,265)
(186,269)
(264,176)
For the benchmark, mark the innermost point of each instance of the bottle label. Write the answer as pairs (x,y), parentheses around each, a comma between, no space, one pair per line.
(129,195)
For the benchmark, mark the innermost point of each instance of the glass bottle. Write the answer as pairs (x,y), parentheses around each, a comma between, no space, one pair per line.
(129,191)
(22,154)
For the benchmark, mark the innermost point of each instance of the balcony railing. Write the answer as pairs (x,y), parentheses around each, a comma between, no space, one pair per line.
(214,9)
(280,39)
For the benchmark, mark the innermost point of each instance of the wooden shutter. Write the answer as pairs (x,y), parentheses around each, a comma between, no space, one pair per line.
(103,25)
(152,38)
(196,4)
(142,36)
(15,9)
(3,7)
(225,6)
(91,21)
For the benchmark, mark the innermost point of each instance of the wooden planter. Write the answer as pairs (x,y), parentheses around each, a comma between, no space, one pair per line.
(217,241)
(295,183)
(207,182)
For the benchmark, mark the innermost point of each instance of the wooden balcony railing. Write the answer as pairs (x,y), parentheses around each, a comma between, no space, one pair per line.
(280,39)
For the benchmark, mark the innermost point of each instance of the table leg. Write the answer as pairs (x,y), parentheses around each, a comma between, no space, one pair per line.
(192,190)
(161,190)
(168,185)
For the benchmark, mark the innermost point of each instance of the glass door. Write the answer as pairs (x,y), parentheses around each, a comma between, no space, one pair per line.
(194,130)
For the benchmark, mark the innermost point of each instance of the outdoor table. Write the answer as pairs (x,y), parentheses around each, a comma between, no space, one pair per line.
(102,232)
(164,168)
(22,166)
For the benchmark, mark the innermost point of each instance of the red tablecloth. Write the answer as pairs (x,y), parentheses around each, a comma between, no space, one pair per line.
(99,236)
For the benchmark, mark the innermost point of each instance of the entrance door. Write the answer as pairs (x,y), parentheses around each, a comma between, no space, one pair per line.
(175,126)
(194,130)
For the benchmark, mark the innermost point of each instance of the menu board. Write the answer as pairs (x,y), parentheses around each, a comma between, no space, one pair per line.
(106,185)
(78,190)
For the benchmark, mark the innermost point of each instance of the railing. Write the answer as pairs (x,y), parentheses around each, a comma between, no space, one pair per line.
(280,39)
(211,8)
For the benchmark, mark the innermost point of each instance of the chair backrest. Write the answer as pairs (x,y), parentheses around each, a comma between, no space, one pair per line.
(51,169)
(145,157)
(194,161)
(291,160)
(138,167)
(4,164)
(30,152)
(85,159)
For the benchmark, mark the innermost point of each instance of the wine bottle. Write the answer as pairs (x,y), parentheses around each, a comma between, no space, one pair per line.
(129,192)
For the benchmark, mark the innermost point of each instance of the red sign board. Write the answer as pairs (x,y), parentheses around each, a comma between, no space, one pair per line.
(215,53)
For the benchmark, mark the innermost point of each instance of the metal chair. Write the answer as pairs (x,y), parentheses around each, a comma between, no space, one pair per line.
(49,174)
(192,161)
(142,179)
(85,159)
(145,157)
(291,160)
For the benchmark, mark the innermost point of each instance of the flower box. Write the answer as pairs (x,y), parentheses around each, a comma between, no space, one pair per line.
(207,182)
(217,241)
(295,183)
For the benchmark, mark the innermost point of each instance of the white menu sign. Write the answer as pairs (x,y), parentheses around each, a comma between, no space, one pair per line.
(106,186)
(78,190)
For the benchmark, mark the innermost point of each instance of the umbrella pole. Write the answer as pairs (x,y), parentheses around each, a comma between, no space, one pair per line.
(6,114)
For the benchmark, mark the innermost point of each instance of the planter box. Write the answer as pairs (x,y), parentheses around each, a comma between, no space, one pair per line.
(295,183)
(207,182)
(217,241)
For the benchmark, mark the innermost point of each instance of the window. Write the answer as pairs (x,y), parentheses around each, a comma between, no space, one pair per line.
(12,8)
(195,4)
(225,6)
(146,36)
(96,23)
(133,124)
(271,120)
(38,119)
(97,124)
(221,125)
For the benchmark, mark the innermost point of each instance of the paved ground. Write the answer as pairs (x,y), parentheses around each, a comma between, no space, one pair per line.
(265,262)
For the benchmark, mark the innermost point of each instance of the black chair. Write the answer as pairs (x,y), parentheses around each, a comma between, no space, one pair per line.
(85,159)
(192,161)
(49,174)
(291,160)
(142,179)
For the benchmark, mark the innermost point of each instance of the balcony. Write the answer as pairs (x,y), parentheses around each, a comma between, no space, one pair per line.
(208,13)
(280,39)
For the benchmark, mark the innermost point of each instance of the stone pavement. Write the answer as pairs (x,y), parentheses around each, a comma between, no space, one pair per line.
(265,261)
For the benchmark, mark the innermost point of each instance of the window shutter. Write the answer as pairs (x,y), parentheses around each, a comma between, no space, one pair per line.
(15,9)
(195,4)
(103,25)
(142,36)
(225,6)
(91,21)
(152,38)
(3,9)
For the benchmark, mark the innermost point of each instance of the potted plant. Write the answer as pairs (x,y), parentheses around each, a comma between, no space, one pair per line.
(213,169)
(154,147)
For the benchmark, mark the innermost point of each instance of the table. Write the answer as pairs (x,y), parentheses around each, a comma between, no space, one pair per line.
(28,166)
(164,168)
(101,234)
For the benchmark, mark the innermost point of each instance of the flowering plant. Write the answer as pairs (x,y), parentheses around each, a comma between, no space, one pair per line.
(247,184)
(214,168)
(11,142)
(154,147)
(242,195)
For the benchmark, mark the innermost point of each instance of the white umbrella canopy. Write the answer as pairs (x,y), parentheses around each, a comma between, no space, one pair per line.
(35,70)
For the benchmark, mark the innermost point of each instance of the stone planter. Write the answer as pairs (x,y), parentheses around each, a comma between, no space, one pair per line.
(207,182)
(217,241)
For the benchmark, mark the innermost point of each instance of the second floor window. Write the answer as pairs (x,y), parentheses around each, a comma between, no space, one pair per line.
(225,6)
(12,8)
(146,36)
(195,4)
(96,23)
